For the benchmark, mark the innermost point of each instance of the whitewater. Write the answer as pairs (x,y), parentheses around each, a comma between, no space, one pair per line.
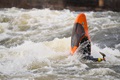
(35,45)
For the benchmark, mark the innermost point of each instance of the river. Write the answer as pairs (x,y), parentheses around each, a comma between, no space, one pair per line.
(35,45)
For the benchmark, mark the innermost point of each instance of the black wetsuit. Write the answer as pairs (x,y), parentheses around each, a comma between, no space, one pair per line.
(86,50)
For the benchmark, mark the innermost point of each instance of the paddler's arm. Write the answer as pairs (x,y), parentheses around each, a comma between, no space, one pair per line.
(93,59)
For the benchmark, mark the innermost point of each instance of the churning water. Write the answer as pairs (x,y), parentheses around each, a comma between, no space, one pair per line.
(35,45)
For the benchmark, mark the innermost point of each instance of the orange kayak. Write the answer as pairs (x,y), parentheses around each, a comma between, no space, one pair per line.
(80,30)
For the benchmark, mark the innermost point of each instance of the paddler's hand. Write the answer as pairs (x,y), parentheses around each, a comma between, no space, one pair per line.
(101,59)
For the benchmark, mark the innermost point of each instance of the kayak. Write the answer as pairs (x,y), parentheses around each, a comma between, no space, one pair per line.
(80,30)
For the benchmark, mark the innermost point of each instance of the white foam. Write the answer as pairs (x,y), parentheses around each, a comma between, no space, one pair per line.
(118,45)
(100,71)
(17,59)
(59,45)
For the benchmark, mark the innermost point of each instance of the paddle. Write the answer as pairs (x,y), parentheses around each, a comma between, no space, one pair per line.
(103,55)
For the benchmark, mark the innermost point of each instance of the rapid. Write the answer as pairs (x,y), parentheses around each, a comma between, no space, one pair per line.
(35,45)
